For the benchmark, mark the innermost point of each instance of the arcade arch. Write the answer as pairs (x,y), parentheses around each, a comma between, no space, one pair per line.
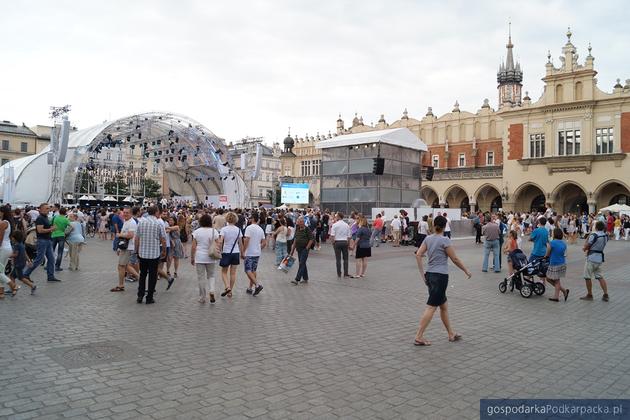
(610,192)
(430,196)
(488,198)
(456,197)
(529,197)
(569,197)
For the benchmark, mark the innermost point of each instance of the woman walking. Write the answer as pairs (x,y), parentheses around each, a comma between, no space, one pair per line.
(364,250)
(177,248)
(102,226)
(231,242)
(75,241)
(556,251)
(303,241)
(438,248)
(6,250)
(205,242)
(280,243)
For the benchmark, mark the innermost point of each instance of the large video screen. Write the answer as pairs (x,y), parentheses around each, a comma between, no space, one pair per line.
(294,193)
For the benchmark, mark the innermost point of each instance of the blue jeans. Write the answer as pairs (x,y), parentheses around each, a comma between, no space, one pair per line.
(281,252)
(58,243)
(494,247)
(302,273)
(44,249)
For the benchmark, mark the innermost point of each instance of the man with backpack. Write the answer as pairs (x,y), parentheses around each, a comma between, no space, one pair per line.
(594,248)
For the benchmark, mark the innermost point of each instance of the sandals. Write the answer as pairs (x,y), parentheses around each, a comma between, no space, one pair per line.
(226,292)
(456,337)
(421,343)
(118,289)
(566,294)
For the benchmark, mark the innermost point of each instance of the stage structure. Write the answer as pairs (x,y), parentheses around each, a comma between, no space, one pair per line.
(194,161)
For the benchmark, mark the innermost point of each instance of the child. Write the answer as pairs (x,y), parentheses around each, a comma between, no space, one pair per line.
(556,251)
(19,260)
(511,245)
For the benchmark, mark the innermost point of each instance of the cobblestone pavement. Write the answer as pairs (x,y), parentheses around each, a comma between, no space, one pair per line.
(332,348)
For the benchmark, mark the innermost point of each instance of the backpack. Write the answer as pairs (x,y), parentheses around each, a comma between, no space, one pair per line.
(597,237)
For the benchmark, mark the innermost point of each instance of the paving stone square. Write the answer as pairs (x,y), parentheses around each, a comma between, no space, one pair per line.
(329,349)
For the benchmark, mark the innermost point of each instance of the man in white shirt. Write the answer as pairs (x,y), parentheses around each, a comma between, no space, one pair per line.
(127,232)
(447,229)
(340,233)
(396,225)
(253,242)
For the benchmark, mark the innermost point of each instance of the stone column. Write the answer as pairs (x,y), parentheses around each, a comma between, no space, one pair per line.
(592,205)
(473,206)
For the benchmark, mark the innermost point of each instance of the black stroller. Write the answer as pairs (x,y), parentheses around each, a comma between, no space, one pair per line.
(524,274)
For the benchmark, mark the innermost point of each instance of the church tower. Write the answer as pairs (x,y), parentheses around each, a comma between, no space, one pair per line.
(509,78)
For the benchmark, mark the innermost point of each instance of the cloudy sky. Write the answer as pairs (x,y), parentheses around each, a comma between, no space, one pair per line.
(254,68)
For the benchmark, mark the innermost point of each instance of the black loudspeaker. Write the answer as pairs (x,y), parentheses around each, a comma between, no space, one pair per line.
(429,174)
(379,166)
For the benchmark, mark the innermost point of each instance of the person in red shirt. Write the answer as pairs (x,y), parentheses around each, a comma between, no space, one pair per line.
(377,227)
(610,224)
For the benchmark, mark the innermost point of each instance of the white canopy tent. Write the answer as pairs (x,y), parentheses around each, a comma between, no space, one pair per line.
(616,208)
(401,137)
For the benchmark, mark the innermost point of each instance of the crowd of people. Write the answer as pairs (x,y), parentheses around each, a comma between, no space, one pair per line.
(151,242)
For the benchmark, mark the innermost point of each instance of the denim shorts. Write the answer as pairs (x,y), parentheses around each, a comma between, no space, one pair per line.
(251,264)
(228,259)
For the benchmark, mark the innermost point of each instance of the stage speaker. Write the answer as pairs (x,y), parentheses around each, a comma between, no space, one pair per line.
(429,174)
(379,166)
(63,139)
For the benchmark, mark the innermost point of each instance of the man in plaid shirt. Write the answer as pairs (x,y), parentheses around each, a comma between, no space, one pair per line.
(150,242)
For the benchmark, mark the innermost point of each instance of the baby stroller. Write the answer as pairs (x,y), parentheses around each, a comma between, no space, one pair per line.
(524,274)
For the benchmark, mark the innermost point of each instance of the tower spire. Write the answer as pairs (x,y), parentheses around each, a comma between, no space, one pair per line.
(509,76)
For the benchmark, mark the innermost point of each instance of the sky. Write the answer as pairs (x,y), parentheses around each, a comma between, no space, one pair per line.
(256,68)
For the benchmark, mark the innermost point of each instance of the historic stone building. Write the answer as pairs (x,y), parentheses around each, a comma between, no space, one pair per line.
(568,149)
(17,141)
(260,182)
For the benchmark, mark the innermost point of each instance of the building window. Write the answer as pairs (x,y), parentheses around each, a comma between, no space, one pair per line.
(5,161)
(5,144)
(316,165)
(436,161)
(569,142)
(461,162)
(306,168)
(489,158)
(24,147)
(604,140)
(536,145)
(156,167)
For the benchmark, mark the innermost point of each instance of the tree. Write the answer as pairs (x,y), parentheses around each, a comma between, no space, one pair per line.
(152,189)
(86,183)
(118,186)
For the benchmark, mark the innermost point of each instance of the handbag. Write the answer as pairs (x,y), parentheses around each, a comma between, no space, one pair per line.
(213,252)
(227,258)
(122,243)
(68,230)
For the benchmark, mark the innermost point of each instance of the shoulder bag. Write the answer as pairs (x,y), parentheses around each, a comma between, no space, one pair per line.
(213,252)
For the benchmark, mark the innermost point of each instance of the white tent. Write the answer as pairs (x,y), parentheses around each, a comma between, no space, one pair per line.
(401,137)
(109,198)
(84,198)
(616,208)
(91,198)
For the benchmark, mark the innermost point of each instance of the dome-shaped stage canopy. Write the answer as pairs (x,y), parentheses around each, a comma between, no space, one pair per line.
(123,153)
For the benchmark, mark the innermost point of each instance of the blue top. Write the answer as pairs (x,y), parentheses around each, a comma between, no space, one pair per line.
(540,237)
(76,236)
(558,250)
